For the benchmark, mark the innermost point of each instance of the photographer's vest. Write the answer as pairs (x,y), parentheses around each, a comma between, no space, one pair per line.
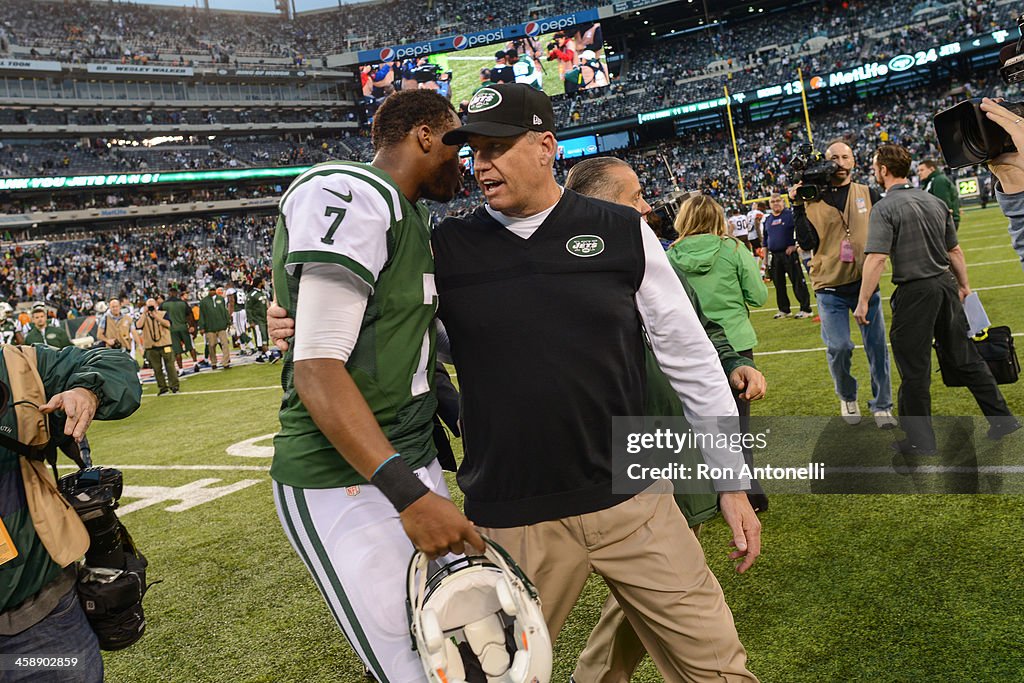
(827,270)
(119,329)
(56,523)
(47,533)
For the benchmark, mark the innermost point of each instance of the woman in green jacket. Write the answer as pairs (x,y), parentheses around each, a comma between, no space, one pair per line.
(727,280)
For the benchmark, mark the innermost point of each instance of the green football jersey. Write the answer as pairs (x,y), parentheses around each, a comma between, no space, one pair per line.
(353,215)
(256,306)
(7,331)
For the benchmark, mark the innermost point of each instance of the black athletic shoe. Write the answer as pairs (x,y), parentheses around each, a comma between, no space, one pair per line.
(904,447)
(1001,427)
(162,391)
(175,390)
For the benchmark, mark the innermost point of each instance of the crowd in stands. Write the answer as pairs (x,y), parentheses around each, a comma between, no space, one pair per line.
(98,155)
(80,31)
(71,276)
(767,49)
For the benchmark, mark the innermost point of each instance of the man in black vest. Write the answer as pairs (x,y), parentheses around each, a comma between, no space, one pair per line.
(545,325)
(543,293)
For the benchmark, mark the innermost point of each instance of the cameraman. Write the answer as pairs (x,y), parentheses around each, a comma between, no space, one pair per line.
(835,228)
(156,339)
(1009,170)
(39,609)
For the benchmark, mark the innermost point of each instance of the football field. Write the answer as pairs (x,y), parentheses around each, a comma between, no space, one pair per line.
(849,587)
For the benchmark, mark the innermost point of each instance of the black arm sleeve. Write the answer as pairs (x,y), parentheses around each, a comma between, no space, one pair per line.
(806,234)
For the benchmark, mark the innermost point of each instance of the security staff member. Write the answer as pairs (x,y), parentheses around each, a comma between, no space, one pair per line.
(780,241)
(835,227)
(39,610)
(916,231)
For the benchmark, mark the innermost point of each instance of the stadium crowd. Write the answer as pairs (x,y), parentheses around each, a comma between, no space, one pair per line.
(820,39)
(88,31)
(71,276)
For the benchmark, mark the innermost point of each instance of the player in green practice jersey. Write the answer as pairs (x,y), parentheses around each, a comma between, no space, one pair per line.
(356,478)
(256,302)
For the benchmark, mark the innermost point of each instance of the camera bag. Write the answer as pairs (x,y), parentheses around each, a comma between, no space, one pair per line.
(995,345)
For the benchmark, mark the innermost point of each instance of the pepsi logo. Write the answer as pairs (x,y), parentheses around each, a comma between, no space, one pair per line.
(532,28)
(460,42)
(387,54)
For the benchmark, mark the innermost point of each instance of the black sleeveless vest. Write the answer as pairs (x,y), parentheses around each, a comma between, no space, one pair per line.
(548,346)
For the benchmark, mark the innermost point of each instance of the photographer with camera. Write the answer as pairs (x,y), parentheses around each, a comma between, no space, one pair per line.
(40,614)
(831,215)
(1008,168)
(156,339)
(115,328)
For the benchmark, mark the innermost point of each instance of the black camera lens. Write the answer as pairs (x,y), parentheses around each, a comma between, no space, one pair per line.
(967,137)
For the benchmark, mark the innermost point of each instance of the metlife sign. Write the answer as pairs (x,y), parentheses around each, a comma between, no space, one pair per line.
(468,40)
(862,73)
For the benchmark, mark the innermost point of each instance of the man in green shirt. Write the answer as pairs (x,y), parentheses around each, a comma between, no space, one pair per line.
(256,312)
(44,333)
(39,609)
(183,326)
(935,182)
(214,319)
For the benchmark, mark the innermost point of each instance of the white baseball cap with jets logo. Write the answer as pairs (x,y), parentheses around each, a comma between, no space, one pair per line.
(504,110)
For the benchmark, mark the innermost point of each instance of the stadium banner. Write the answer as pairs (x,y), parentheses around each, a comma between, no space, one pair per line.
(261,73)
(140,69)
(126,179)
(466,40)
(862,73)
(28,65)
(39,218)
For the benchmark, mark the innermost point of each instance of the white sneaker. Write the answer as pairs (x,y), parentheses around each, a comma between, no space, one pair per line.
(885,420)
(803,314)
(780,314)
(850,411)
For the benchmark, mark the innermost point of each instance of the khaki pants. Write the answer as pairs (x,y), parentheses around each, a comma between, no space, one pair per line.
(613,651)
(655,569)
(214,338)
(161,359)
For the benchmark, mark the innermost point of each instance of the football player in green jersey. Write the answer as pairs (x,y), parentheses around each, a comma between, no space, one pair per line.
(256,312)
(9,333)
(356,478)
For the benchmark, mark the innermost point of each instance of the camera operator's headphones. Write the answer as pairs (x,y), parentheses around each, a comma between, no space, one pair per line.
(478,620)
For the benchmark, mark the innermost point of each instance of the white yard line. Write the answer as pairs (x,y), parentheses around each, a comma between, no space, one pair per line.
(822,348)
(183,468)
(216,391)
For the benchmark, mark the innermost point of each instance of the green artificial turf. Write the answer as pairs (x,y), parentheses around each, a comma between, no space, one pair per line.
(850,587)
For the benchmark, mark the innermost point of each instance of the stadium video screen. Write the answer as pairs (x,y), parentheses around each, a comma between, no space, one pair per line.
(566,61)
